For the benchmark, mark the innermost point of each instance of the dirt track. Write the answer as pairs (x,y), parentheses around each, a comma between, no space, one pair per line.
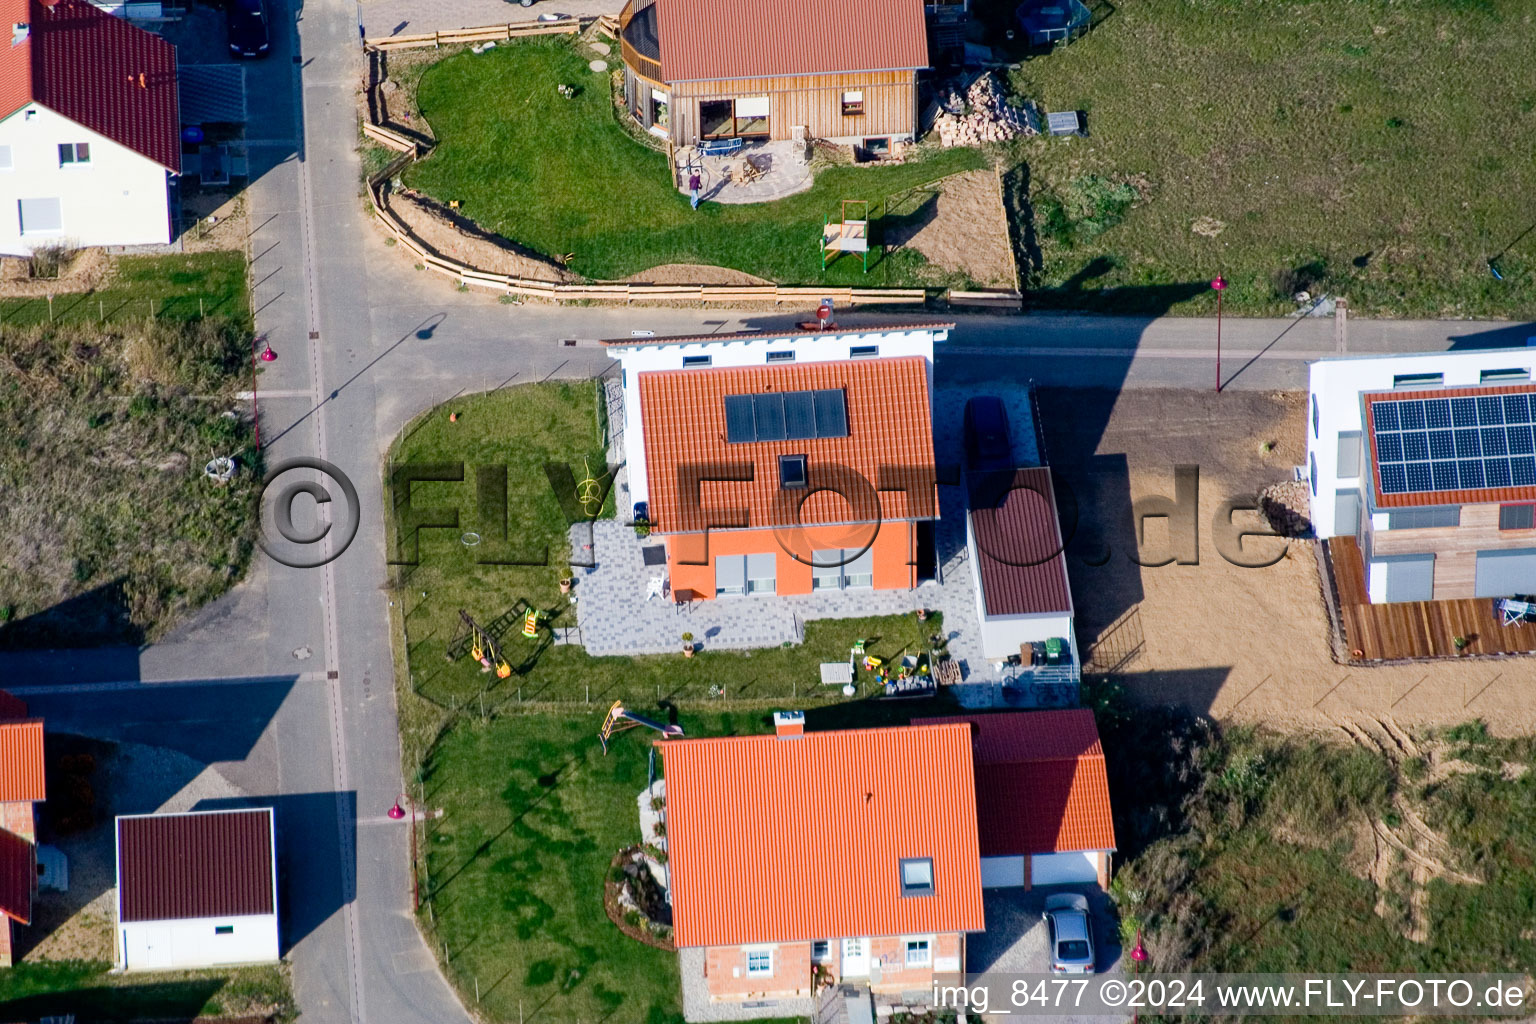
(1236,643)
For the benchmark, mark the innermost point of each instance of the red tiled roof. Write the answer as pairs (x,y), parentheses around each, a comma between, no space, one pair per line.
(21,761)
(1018,543)
(780,840)
(889,444)
(1041,785)
(18,876)
(679,339)
(11,706)
(1458,497)
(97,70)
(715,39)
(176,866)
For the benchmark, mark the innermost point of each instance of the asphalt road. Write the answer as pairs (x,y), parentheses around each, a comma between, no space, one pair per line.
(364,342)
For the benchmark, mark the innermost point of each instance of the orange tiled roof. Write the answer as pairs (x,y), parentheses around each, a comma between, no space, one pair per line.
(1041,785)
(786,839)
(889,444)
(21,761)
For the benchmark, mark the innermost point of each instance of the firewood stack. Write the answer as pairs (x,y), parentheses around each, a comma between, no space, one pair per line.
(985,115)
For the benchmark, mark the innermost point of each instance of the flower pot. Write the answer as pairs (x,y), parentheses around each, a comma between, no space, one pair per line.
(687,650)
(565,585)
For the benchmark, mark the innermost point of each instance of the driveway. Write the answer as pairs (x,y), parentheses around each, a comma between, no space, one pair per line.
(1015,941)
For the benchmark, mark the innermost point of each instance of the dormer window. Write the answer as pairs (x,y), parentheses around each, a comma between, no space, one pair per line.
(917,876)
(782,356)
(696,361)
(19,32)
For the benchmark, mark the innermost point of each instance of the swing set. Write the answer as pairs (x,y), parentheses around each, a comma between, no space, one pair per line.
(620,720)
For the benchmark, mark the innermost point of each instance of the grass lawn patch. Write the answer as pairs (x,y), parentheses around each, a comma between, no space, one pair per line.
(177,288)
(1310,146)
(1254,852)
(91,991)
(561,176)
(111,531)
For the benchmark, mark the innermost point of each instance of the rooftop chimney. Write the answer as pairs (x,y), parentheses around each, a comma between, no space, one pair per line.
(789,724)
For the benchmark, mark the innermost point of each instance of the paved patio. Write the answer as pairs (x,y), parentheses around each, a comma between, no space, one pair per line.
(777,169)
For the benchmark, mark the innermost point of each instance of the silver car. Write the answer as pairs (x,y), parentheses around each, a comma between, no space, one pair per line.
(1071,937)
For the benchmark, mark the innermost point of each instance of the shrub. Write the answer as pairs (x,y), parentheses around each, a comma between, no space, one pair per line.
(1086,207)
(49,261)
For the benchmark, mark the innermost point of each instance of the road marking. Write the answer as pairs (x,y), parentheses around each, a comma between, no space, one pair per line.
(246,396)
(141,684)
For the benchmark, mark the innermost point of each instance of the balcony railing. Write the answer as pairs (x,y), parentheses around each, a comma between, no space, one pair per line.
(642,65)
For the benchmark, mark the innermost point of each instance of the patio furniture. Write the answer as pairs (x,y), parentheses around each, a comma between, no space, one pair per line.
(656,588)
(682,600)
(1514,611)
(836,673)
(720,147)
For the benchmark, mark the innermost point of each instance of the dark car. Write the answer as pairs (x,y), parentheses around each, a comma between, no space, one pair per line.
(987,443)
(250,35)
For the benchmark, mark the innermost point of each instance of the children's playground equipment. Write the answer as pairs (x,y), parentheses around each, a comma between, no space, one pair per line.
(849,234)
(618,720)
(482,647)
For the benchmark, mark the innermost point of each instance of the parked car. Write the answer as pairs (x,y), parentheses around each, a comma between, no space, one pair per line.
(250,34)
(988,445)
(1071,936)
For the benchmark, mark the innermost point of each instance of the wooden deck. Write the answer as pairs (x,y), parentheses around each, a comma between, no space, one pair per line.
(1414,629)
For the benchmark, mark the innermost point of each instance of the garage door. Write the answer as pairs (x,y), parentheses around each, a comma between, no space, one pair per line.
(998,872)
(1506,573)
(1059,868)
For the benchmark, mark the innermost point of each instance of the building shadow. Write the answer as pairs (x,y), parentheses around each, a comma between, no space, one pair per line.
(99,615)
(1521,335)
(316,855)
(179,1001)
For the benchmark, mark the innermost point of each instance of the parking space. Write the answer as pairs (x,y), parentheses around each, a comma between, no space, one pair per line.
(1015,940)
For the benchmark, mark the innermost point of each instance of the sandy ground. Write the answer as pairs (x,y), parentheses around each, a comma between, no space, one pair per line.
(1247,644)
(695,273)
(88,269)
(967,232)
(133,779)
(463,242)
(222,221)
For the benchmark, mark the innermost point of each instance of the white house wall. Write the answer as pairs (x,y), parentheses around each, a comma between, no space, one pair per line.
(1001,635)
(749,350)
(119,198)
(1336,386)
(196,942)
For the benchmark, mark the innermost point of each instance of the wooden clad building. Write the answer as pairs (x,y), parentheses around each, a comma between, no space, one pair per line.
(843,70)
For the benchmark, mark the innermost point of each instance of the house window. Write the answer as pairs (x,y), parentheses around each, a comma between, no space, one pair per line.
(1312,471)
(863,351)
(224,929)
(917,876)
(919,952)
(853,102)
(40,216)
(730,575)
(722,119)
(1349,455)
(786,356)
(821,951)
(1417,380)
(843,569)
(761,573)
(752,115)
(74,153)
(1314,416)
(878,148)
(1517,517)
(696,361)
(1512,373)
(1423,518)
(792,472)
(759,962)
(5,158)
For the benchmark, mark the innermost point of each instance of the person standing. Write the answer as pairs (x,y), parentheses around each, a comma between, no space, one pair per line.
(694,183)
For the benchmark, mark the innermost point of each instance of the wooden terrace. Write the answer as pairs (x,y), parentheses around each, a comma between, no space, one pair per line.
(1414,629)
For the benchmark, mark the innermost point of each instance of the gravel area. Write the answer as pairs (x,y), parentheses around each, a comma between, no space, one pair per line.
(697,1006)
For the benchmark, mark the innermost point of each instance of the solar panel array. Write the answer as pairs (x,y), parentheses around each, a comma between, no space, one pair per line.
(1455,444)
(786,416)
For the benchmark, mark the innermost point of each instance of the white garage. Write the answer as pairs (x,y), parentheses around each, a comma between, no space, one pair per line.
(1064,868)
(1001,872)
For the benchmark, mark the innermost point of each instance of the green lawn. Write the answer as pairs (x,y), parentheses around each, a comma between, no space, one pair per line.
(1333,142)
(176,288)
(91,991)
(1251,852)
(561,176)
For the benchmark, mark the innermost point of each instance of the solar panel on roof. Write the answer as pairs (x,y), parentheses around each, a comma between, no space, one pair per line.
(786,416)
(769,410)
(831,413)
(1491,446)
(740,425)
(799,416)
